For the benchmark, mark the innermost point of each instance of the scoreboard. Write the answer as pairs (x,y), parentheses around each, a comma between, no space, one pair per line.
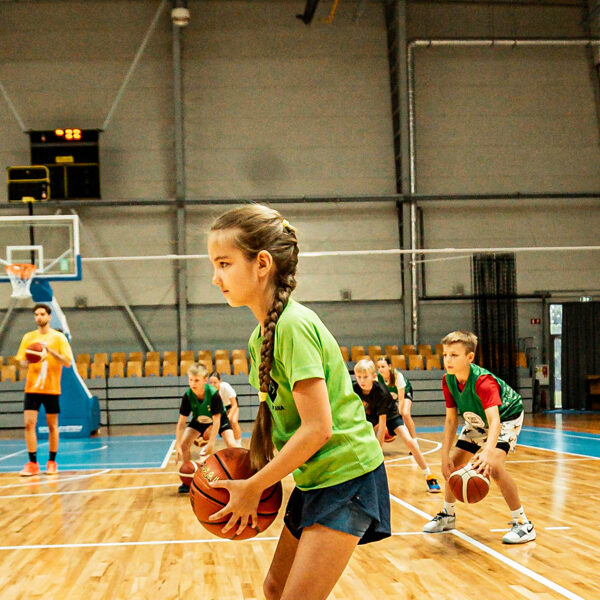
(72,157)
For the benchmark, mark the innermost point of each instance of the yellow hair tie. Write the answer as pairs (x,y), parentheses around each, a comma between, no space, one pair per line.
(285,224)
(262,396)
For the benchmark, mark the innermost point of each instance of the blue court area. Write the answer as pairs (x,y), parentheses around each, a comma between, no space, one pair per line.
(119,452)
(153,451)
(559,440)
(556,440)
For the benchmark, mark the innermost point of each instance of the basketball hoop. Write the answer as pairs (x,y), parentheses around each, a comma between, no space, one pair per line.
(21,276)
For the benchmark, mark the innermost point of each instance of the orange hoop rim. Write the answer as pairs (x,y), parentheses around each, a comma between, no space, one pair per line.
(21,270)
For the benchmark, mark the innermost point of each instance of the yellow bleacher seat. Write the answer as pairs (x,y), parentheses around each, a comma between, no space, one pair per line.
(101,357)
(134,368)
(83,357)
(97,369)
(424,349)
(8,373)
(152,368)
(170,368)
(240,366)
(238,353)
(433,361)
(116,368)
(118,357)
(185,365)
(355,352)
(83,369)
(398,361)
(222,366)
(415,362)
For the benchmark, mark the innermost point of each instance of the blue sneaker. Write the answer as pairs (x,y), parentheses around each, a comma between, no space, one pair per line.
(432,485)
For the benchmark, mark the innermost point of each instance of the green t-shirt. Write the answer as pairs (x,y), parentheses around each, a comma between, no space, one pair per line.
(469,404)
(305,349)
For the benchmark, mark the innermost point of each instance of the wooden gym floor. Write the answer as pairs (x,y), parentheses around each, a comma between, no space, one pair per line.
(110,533)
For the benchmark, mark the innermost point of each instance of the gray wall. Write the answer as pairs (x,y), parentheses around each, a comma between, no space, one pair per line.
(273,108)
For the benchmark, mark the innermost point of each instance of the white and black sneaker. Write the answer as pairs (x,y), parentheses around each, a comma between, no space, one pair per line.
(520,533)
(441,522)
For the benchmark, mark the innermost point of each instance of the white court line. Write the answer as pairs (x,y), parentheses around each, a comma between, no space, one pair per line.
(167,455)
(437,445)
(159,542)
(29,483)
(90,491)
(507,561)
(148,543)
(13,454)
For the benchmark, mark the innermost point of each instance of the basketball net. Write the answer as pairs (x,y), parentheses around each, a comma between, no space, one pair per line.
(21,276)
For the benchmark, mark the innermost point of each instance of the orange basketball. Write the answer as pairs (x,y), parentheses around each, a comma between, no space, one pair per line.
(35,352)
(186,472)
(468,485)
(230,463)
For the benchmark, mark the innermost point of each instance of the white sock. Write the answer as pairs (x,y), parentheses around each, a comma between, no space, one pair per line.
(518,516)
(427,471)
(449,508)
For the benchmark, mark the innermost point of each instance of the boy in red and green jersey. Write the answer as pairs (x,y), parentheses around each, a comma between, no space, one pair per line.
(493,414)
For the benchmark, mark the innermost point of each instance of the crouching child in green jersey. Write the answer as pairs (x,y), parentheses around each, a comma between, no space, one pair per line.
(308,412)
(204,403)
(493,414)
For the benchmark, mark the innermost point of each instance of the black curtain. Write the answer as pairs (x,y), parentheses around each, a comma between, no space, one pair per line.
(580,351)
(495,313)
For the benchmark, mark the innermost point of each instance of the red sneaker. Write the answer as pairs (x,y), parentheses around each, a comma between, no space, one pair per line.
(51,467)
(31,468)
(388,438)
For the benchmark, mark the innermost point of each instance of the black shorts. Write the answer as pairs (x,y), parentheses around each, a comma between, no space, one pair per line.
(390,424)
(202,427)
(35,401)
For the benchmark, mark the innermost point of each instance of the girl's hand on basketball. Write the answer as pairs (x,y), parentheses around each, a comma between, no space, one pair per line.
(242,505)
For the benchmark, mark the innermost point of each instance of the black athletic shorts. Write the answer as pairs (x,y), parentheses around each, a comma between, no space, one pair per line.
(35,401)
(202,427)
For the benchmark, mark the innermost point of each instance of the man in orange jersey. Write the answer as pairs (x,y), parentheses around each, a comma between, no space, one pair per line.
(43,386)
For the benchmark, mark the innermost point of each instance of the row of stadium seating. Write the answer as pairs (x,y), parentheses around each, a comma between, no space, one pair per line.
(172,364)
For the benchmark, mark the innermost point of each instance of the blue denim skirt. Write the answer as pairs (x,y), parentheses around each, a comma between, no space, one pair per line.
(360,507)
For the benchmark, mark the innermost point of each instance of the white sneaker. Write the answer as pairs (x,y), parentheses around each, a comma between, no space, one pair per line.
(441,522)
(520,533)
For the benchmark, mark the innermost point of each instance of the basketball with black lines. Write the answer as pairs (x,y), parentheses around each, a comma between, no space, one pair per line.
(230,463)
(468,485)
(186,472)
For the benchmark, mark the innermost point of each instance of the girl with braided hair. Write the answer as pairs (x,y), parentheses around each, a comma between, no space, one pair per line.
(308,412)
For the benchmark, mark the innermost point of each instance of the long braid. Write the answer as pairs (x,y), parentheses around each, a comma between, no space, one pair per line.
(261,444)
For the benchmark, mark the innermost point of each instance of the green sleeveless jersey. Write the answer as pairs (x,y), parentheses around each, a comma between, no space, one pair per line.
(469,404)
(203,408)
(393,389)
